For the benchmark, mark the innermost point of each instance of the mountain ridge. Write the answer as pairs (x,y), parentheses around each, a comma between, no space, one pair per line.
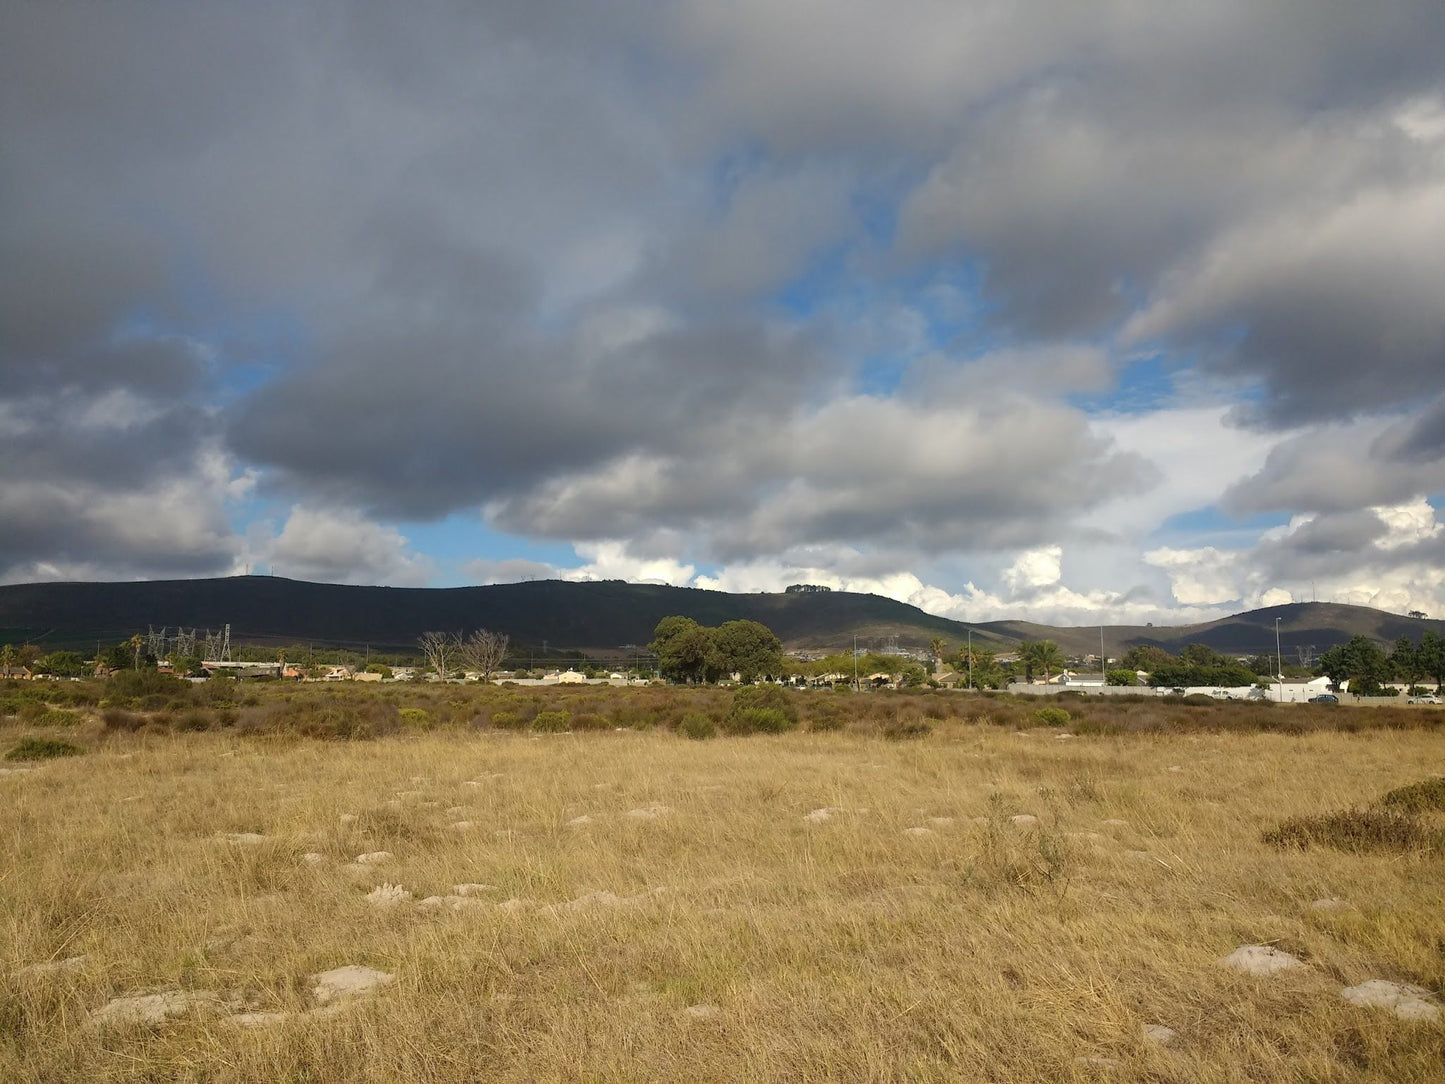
(609,614)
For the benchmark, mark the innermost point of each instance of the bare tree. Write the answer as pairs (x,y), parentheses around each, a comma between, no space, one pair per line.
(484,650)
(438,647)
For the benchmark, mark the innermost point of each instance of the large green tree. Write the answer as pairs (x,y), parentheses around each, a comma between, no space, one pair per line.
(1361,662)
(745,648)
(1432,658)
(1405,660)
(682,647)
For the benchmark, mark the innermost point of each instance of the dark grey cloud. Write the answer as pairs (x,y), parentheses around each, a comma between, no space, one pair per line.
(527,257)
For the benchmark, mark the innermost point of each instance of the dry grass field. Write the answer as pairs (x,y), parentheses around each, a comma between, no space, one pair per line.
(822,904)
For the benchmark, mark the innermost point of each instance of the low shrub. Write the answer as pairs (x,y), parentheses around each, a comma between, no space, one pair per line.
(42,749)
(758,721)
(1354,830)
(508,720)
(194,719)
(57,717)
(697,727)
(1428,795)
(590,720)
(552,722)
(120,720)
(905,730)
(761,709)
(1053,716)
(824,723)
(416,719)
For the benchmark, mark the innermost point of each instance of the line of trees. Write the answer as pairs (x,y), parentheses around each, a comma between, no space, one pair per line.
(687,651)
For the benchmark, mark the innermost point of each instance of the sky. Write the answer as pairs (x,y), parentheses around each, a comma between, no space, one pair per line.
(1071,311)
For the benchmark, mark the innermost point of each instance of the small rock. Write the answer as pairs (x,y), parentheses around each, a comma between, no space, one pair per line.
(150,1008)
(472,889)
(582,821)
(1158,1033)
(702,1012)
(347,818)
(818,816)
(649,813)
(918,831)
(1260,960)
(514,904)
(1405,1000)
(940,821)
(462,826)
(54,967)
(1063,737)
(1114,822)
(14,771)
(346,982)
(1331,903)
(258,1019)
(592,899)
(457,811)
(450,903)
(471,783)
(246,839)
(387,895)
(313,858)
(1024,820)
(374,858)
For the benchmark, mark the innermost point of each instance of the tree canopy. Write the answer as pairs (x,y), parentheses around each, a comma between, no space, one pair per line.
(687,651)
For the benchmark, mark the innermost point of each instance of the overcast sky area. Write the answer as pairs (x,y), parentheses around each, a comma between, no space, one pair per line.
(1077,312)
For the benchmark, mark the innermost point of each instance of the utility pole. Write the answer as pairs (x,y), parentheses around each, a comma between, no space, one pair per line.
(1278,663)
(1103,671)
(970,658)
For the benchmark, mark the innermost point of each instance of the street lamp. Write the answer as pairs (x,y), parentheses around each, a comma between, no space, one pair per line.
(1278,663)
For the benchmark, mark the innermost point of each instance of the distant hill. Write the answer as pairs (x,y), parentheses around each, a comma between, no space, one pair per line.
(599,615)
(606,615)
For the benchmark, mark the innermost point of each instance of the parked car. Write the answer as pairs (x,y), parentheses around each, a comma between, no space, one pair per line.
(1325,698)
(1424,700)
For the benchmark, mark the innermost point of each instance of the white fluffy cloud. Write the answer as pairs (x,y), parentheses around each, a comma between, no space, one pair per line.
(340,546)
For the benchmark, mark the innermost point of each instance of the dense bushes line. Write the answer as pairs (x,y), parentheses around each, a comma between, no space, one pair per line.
(134,701)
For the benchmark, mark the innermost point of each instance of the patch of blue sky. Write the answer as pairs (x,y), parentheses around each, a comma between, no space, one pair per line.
(1144,385)
(1210,526)
(459,539)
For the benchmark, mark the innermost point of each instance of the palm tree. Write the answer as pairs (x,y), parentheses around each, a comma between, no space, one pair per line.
(936,647)
(136,643)
(1043,654)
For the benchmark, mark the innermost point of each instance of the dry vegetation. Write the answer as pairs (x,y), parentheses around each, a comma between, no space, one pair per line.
(819,904)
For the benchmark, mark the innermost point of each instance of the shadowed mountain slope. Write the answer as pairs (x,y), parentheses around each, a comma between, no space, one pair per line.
(608,614)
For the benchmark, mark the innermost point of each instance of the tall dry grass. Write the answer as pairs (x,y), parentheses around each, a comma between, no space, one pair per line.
(841,949)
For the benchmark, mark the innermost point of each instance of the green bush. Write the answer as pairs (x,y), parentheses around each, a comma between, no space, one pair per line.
(761,709)
(590,720)
(827,722)
(552,722)
(1053,716)
(417,719)
(697,727)
(57,717)
(758,721)
(508,720)
(42,749)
